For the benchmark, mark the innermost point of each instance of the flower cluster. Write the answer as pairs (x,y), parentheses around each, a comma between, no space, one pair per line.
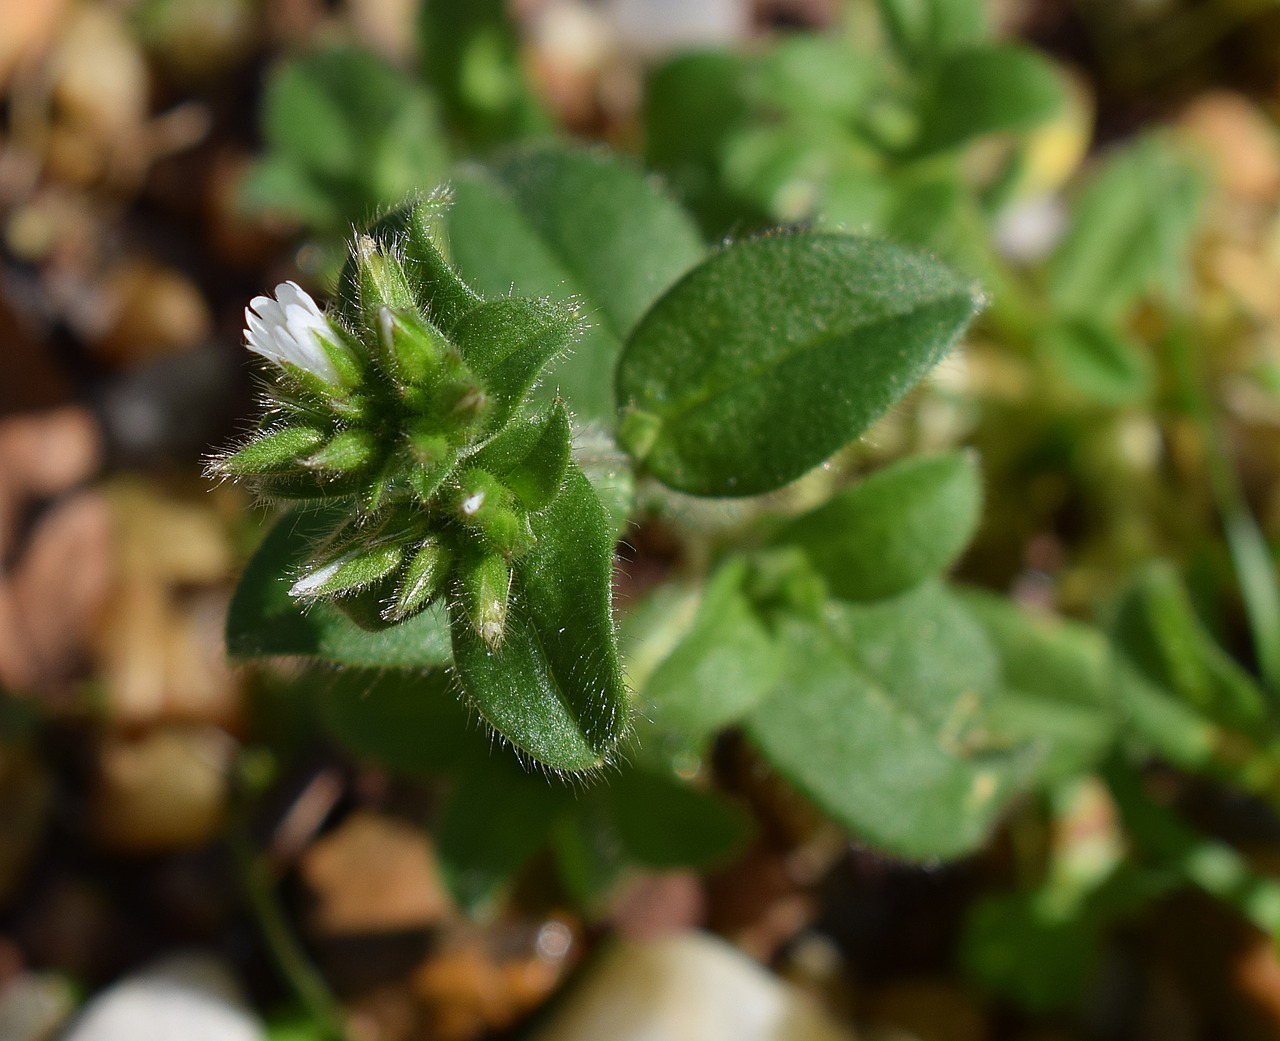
(407,412)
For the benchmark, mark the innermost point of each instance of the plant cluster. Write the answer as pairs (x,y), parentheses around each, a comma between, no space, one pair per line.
(505,384)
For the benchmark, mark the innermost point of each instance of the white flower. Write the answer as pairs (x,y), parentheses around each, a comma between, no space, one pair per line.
(290,329)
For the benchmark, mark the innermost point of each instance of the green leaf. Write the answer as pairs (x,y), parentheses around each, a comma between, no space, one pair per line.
(1017,946)
(577,226)
(810,74)
(664,824)
(921,29)
(926,649)
(1157,629)
(353,130)
(1130,232)
(265,621)
(530,455)
(470,55)
(984,90)
(1098,361)
(508,343)
(894,777)
(496,819)
(695,103)
(399,720)
(1061,683)
(776,352)
(894,529)
(553,688)
(725,664)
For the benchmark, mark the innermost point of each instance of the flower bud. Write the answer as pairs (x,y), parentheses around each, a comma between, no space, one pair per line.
(432,460)
(422,581)
(414,350)
(273,452)
(381,280)
(347,451)
(485,588)
(352,571)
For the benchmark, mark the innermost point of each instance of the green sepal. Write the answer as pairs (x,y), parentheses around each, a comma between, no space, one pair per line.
(273,452)
(423,580)
(346,452)
(484,590)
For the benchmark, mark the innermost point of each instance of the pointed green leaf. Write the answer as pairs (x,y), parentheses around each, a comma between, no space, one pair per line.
(497,817)
(1098,361)
(1158,631)
(530,455)
(265,621)
(983,90)
(554,685)
(894,529)
(665,824)
(776,352)
(507,343)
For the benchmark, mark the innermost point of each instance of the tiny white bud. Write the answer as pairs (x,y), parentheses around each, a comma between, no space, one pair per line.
(291,329)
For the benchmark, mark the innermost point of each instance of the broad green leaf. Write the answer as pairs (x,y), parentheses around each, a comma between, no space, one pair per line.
(577,226)
(724,665)
(927,651)
(554,686)
(1130,232)
(471,56)
(695,103)
(894,529)
(814,74)
(776,352)
(531,455)
(265,621)
(354,131)
(984,90)
(664,824)
(508,343)
(894,779)
(922,29)
(1157,629)
(400,720)
(1098,361)
(588,853)
(497,817)
(1061,681)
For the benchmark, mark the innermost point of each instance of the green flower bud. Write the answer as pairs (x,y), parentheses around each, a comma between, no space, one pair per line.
(347,451)
(423,580)
(273,452)
(414,350)
(485,588)
(432,459)
(354,570)
(381,281)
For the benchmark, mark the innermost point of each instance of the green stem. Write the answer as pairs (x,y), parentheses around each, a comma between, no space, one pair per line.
(295,967)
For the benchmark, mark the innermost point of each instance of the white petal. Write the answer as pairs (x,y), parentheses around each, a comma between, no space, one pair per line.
(289,330)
